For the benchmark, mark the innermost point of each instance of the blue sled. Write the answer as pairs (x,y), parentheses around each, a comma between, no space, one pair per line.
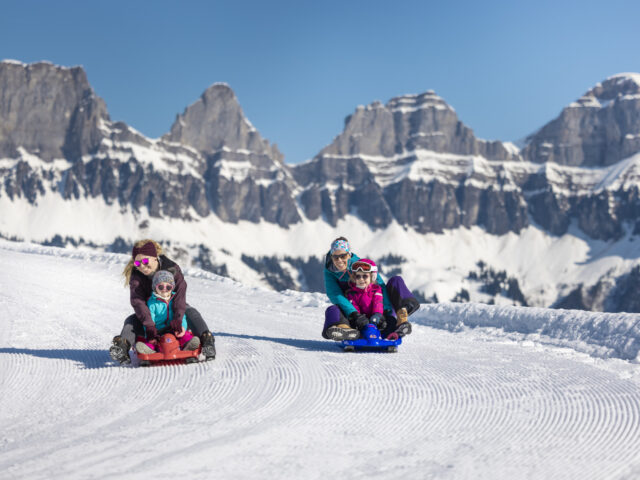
(370,340)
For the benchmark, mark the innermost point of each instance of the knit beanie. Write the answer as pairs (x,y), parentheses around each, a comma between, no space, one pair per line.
(162,276)
(148,249)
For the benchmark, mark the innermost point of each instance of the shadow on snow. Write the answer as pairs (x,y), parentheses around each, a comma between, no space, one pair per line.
(90,359)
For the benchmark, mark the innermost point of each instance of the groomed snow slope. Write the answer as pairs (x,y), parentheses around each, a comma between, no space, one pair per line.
(281,402)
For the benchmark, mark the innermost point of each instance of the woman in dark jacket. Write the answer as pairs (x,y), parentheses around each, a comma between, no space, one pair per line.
(146,259)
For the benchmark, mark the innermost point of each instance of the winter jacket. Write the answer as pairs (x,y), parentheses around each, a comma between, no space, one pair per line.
(162,311)
(140,291)
(337,283)
(366,300)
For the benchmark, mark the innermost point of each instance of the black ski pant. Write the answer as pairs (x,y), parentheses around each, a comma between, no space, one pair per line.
(133,327)
(400,296)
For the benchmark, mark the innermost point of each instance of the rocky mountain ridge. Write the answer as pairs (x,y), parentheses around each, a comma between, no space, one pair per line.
(600,128)
(51,113)
(410,162)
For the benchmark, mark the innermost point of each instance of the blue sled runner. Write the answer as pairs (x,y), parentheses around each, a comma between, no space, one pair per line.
(370,340)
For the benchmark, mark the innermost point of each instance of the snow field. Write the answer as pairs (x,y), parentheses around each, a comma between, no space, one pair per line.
(434,263)
(281,402)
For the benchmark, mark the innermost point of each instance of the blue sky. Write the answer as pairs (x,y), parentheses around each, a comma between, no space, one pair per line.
(300,67)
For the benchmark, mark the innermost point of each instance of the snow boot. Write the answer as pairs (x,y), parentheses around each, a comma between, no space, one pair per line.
(143,347)
(342,332)
(192,344)
(403,327)
(119,350)
(208,346)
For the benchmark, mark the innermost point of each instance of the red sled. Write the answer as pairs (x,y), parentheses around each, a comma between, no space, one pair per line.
(169,351)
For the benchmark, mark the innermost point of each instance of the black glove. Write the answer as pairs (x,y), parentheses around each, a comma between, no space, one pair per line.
(382,323)
(151,333)
(375,319)
(360,320)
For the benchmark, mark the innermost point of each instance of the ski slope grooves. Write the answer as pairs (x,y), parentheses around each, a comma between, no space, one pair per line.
(280,402)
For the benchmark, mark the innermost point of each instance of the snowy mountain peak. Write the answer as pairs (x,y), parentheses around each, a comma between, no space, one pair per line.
(188,173)
(13,62)
(409,165)
(410,123)
(67,125)
(43,64)
(600,128)
(626,77)
(412,103)
(216,121)
(623,86)
(219,91)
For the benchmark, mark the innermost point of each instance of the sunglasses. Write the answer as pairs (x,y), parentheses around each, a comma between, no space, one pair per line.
(164,287)
(341,256)
(358,276)
(361,267)
(144,261)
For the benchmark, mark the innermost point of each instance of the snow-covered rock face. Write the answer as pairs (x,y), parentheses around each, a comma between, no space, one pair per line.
(409,167)
(215,122)
(212,161)
(409,123)
(246,178)
(412,161)
(600,128)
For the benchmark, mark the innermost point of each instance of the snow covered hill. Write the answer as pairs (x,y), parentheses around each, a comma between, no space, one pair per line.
(482,392)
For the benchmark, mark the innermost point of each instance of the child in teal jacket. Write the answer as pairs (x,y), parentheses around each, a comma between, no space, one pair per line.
(161,308)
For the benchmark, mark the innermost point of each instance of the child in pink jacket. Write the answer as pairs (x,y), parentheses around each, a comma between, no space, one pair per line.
(364,293)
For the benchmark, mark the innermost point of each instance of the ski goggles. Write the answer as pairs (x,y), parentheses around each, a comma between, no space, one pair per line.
(164,287)
(363,267)
(144,261)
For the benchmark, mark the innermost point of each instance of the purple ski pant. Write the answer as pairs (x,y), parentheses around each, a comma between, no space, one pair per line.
(399,296)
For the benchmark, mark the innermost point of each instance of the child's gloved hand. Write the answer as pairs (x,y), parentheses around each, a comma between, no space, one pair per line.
(382,323)
(181,333)
(375,319)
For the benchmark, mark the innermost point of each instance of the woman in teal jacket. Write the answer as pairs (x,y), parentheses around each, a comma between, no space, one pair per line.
(342,321)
